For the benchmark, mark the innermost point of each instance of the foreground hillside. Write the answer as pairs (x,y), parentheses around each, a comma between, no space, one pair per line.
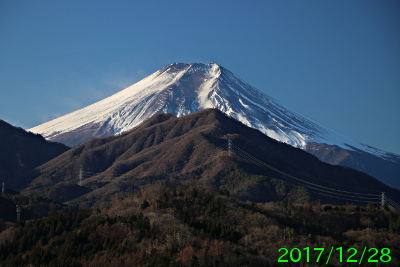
(194,146)
(189,224)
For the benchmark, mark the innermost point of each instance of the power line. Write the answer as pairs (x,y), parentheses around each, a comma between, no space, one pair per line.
(290,176)
(230,147)
(387,198)
(362,198)
(393,203)
(346,198)
(86,174)
(329,182)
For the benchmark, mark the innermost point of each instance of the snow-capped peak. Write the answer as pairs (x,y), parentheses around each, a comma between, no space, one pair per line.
(180,89)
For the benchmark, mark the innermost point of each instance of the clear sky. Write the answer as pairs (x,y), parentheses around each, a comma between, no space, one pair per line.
(337,62)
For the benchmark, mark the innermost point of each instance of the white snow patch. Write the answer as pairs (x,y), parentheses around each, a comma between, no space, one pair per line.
(243,104)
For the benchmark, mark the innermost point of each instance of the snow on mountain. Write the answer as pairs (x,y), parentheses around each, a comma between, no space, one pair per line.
(180,89)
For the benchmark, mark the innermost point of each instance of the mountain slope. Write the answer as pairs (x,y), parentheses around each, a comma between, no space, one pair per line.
(192,147)
(387,171)
(180,89)
(21,152)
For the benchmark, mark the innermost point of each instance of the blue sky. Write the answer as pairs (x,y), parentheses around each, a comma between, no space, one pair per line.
(337,62)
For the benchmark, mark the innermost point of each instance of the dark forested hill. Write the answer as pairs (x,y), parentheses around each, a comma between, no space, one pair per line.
(194,147)
(190,224)
(30,207)
(21,152)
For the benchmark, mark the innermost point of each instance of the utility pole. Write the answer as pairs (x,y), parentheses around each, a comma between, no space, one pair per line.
(19,210)
(80,176)
(383,199)
(229,147)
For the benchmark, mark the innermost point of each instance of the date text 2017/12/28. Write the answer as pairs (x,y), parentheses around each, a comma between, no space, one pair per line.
(373,253)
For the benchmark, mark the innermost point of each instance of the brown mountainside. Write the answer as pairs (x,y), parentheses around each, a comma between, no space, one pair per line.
(191,147)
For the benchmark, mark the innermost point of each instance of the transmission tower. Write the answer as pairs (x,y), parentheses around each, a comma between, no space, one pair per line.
(19,210)
(229,147)
(383,199)
(2,190)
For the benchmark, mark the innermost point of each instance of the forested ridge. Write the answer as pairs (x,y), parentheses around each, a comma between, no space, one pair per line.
(170,223)
(196,146)
(21,152)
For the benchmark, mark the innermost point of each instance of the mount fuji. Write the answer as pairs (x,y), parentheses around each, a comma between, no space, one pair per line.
(181,89)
